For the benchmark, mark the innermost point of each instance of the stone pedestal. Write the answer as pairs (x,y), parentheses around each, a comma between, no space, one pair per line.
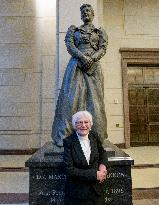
(47,176)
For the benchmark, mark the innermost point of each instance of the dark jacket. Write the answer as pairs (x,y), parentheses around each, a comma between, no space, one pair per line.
(81,177)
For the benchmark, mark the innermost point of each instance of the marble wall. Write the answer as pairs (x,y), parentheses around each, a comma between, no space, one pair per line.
(133,24)
(27,72)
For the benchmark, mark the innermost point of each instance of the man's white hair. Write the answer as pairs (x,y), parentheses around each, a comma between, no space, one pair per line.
(79,115)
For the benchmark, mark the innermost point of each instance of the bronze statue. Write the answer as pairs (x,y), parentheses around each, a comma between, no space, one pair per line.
(83,86)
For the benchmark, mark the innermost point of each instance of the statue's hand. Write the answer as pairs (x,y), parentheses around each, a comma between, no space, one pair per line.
(87,63)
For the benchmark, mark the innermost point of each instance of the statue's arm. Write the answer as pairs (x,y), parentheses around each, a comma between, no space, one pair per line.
(69,41)
(102,46)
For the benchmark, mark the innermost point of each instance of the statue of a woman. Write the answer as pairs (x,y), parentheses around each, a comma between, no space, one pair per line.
(82,87)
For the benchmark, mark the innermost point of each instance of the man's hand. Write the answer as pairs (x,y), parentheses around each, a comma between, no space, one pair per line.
(102,168)
(101,176)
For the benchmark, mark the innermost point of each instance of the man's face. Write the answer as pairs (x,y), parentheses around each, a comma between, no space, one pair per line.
(87,14)
(83,126)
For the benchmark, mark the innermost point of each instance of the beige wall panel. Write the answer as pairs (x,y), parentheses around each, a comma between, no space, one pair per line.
(113,21)
(114,109)
(69,13)
(47,132)
(5,56)
(47,120)
(45,8)
(36,124)
(48,109)
(48,90)
(48,76)
(19,141)
(140,43)
(18,109)
(117,136)
(17,8)
(33,85)
(15,123)
(23,56)
(29,92)
(142,8)
(17,56)
(47,123)
(12,78)
(113,96)
(112,54)
(46,35)
(113,81)
(111,68)
(17,30)
(15,94)
(115,122)
(49,72)
(113,8)
(45,138)
(114,32)
(100,11)
(142,25)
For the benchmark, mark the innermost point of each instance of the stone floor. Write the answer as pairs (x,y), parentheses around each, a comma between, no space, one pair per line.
(145,173)
(136,202)
(144,154)
(146,202)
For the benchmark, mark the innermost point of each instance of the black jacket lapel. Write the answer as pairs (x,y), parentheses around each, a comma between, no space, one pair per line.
(93,148)
(78,150)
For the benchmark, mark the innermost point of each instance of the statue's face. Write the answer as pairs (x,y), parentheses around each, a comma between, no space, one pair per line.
(87,14)
(83,126)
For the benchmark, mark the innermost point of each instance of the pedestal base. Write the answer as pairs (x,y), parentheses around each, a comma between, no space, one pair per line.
(47,176)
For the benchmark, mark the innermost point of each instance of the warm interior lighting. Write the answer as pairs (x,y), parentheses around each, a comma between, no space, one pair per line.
(46,7)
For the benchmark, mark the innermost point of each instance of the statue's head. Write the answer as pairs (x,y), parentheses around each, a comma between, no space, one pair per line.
(87,13)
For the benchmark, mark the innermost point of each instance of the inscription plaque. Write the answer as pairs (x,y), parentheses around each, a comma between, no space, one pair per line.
(47,186)
(118,187)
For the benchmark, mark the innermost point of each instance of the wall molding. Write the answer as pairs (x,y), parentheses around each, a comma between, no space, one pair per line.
(18,151)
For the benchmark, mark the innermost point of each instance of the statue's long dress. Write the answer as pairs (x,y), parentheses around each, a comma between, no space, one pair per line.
(81,90)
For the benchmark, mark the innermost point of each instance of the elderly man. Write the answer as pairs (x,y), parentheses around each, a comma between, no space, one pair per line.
(86,163)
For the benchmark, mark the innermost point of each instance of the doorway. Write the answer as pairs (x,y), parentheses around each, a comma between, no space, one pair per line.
(143,96)
(140,70)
